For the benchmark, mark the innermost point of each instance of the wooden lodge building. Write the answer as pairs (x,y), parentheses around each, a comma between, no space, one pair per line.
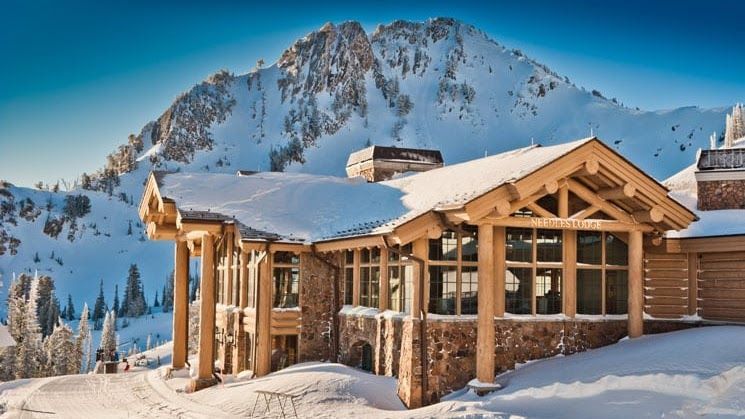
(440,276)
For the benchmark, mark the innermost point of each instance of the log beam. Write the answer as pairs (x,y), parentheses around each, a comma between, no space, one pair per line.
(626,191)
(654,215)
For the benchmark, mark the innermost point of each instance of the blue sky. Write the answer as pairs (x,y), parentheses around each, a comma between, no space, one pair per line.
(78,77)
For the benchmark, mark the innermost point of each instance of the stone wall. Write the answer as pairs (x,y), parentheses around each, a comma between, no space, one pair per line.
(368,326)
(451,348)
(318,302)
(226,318)
(721,194)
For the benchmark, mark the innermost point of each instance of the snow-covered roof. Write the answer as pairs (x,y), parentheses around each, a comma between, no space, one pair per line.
(6,340)
(395,153)
(312,208)
(683,188)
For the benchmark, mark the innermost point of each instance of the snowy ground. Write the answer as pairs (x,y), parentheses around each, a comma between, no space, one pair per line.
(692,373)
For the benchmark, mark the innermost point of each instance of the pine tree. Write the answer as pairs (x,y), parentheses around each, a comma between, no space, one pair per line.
(70,309)
(47,309)
(115,306)
(82,341)
(29,356)
(156,303)
(167,300)
(108,336)
(134,304)
(99,309)
(59,348)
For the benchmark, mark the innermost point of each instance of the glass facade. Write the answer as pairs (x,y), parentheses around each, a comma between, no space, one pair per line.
(453,272)
(286,280)
(602,274)
(369,277)
(400,274)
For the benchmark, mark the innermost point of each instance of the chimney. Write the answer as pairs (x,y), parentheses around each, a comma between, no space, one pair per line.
(378,163)
(720,179)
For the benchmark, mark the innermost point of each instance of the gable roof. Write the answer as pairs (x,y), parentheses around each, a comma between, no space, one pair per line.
(313,208)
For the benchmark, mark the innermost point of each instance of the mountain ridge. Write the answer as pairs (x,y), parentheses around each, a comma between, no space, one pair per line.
(436,84)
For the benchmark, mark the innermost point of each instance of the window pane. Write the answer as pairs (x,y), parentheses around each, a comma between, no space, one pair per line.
(469,290)
(518,290)
(444,248)
(616,251)
(375,255)
(349,257)
(548,291)
(616,291)
(470,244)
(549,245)
(550,203)
(396,288)
(365,287)
(408,275)
(519,244)
(365,256)
(285,287)
(442,289)
(589,291)
(589,247)
(348,285)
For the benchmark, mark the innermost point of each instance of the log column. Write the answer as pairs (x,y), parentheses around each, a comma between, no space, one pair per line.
(636,293)
(207,291)
(180,305)
(263,317)
(243,279)
(419,249)
(485,339)
(385,286)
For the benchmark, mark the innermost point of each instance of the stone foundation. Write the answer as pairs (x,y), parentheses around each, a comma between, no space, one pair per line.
(381,332)
(721,194)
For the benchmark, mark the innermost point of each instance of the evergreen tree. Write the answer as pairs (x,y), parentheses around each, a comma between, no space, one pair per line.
(134,304)
(115,306)
(61,356)
(47,311)
(108,336)
(82,341)
(167,299)
(99,309)
(149,343)
(70,309)
(29,355)
(156,303)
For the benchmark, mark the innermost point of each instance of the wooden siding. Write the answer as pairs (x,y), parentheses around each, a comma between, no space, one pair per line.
(722,286)
(666,285)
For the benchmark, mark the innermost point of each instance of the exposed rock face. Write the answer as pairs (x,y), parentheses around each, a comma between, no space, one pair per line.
(721,194)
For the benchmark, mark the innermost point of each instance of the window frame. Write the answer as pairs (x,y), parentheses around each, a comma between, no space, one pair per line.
(459,264)
(284,266)
(603,267)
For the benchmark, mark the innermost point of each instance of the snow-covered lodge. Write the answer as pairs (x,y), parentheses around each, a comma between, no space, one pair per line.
(444,275)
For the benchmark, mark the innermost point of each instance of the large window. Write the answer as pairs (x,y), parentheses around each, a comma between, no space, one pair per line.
(534,271)
(602,273)
(286,278)
(400,275)
(370,277)
(453,272)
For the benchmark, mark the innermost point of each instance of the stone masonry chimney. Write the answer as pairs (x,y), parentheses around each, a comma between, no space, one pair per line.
(378,163)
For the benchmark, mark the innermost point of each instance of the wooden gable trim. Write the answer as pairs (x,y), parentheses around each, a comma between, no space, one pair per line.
(428,224)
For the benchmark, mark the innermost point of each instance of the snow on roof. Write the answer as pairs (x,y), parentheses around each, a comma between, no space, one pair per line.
(312,207)
(6,340)
(395,153)
(683,188)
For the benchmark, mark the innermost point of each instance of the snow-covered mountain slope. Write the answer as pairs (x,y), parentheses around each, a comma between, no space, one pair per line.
(436,84)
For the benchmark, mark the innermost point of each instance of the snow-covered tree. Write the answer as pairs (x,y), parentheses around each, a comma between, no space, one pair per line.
(29,354)
(82,342)
(108,335)
(115,305)
(61,356)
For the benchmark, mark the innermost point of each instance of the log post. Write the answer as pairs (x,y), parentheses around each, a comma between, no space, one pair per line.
(636,293)
(264,317)
(419,249)
(692,284)
(206,315)
(180,305)
(356,279)
(500,269)
(243,279)
(485,339)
